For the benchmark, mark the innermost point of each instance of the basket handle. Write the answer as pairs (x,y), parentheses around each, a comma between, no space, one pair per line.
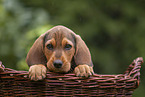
(134,68)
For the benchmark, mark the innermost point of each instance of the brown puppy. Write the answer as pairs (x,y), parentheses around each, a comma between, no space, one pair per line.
(59,50)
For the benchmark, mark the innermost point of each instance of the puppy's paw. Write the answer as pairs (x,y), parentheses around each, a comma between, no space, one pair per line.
(37,72)
(84,71)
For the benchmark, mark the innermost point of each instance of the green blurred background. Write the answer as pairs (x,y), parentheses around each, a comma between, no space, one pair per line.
(114,30)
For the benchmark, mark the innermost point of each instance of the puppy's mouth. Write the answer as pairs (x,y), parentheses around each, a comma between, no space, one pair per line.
(57,64)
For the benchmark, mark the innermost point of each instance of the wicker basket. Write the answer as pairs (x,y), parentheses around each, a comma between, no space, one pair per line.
(16,83)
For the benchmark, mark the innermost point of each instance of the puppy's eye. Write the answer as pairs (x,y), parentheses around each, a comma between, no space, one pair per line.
(50,46)
(67,47)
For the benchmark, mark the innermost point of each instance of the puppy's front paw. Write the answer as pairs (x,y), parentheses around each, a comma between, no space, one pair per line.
(37,72)
(84,71)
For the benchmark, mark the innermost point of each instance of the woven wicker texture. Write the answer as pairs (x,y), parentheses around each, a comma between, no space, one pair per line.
(16,83)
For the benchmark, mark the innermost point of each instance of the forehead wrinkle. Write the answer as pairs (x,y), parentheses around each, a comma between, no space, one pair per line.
(58,34)
(58,37)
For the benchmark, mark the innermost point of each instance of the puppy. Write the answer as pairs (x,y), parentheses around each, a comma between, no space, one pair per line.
(59,50)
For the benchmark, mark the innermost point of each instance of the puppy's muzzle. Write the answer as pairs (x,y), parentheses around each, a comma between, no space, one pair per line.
(57,63)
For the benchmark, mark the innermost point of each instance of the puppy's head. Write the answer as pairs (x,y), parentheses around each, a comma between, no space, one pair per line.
(56,48)
(59,49)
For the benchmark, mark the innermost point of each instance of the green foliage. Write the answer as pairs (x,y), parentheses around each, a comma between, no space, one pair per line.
(16,35)
(113,30)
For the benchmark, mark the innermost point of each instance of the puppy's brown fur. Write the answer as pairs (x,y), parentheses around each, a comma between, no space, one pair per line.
(59,50)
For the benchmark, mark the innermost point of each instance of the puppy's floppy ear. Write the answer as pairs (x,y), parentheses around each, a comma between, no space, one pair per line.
(82,54)
(35,54)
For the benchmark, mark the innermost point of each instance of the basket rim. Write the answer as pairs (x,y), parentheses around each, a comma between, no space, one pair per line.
(132,73)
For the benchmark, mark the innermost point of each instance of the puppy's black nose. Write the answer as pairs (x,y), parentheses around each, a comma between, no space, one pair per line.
(57,63)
